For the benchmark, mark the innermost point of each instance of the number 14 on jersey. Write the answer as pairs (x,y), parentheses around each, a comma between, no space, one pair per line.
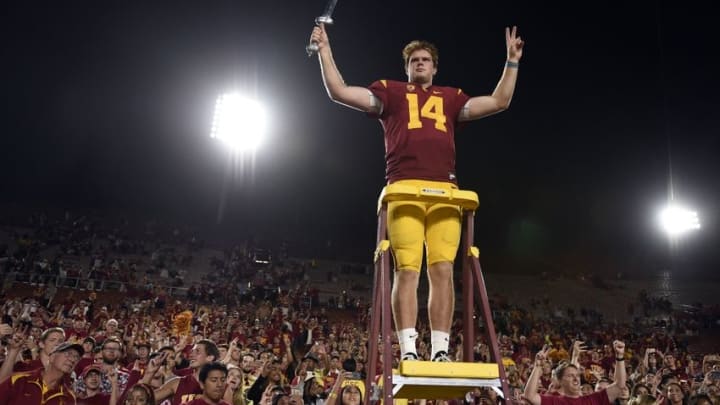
(432,109)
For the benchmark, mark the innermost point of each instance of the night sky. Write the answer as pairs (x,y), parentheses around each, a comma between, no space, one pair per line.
(108,108)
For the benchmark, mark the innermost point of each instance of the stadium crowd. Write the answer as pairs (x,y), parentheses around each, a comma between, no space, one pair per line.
(259,333)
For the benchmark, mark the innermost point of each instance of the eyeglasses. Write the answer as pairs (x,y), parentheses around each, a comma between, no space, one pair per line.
(72,355)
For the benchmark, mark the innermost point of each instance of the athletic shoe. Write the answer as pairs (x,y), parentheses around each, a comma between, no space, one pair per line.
(409,356)
(442,356)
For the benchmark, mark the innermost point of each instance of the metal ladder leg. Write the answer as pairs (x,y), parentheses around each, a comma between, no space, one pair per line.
(472,277)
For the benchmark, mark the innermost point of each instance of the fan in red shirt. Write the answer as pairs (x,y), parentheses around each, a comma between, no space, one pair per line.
(567,378)
(183,389)
(47,385)
(93,394)
(213,380)
(49,340)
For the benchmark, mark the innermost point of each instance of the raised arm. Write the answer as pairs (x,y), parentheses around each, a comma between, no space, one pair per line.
(114,394)
(615,389)
(332,398)
(152,368)
(355,97)
(228,356)
(289,353)
(14,347)
(577,349)
(645,364)
(531,387)
(167,390)
(499,100)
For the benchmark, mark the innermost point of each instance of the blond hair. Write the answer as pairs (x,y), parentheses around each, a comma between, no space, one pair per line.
(419,44)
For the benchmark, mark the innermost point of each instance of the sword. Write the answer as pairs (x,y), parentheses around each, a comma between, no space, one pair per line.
(325,18)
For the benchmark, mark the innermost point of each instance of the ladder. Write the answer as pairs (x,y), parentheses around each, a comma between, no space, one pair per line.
(425,379)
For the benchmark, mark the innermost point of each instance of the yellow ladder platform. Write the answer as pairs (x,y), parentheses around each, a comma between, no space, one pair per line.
(427,379)
(467,200)
(448,370)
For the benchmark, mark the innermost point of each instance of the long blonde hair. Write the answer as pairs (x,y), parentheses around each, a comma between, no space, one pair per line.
(238,396)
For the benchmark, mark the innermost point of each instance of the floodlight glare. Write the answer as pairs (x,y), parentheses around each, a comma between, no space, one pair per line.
(676,220)
(239,122)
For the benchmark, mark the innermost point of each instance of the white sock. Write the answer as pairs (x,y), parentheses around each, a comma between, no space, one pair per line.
(406,338)
(440,342)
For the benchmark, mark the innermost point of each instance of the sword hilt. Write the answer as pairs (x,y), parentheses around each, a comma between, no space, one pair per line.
(313,46)
(324,19)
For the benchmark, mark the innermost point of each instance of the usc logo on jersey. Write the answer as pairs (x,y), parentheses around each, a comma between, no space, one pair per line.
(187,398)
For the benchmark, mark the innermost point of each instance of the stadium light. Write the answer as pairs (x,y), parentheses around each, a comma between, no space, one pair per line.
(239,122)
(676,220)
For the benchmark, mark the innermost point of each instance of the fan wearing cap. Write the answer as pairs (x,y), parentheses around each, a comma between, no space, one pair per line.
(313,389)
(112,350)
(271,375)
(93,395)
(346,390)
(111,330)
(312,360)
(142,355)
(88,345)
(79,329)
(46,385)
(309,364)
(49,340)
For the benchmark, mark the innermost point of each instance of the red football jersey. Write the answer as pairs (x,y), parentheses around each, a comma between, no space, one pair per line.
(201,401)
(419,127)
(188,388)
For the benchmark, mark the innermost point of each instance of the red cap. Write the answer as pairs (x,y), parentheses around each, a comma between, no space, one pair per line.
(91,367)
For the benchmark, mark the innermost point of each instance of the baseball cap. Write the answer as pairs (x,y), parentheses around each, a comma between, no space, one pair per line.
(311,375)
(63,347)
(357,383)
(311,356)
(91,367)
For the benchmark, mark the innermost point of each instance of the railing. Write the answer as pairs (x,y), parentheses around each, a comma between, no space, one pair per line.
(91,284)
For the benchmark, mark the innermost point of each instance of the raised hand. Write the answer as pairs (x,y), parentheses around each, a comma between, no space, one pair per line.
(154,365)
(18,340)
(267,395)
(319,36)
(619,348)
(112,375)
(541,356)
(5,329)
(266,368)
(514,44)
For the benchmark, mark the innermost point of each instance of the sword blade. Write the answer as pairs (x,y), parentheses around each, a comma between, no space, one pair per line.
(329,8)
